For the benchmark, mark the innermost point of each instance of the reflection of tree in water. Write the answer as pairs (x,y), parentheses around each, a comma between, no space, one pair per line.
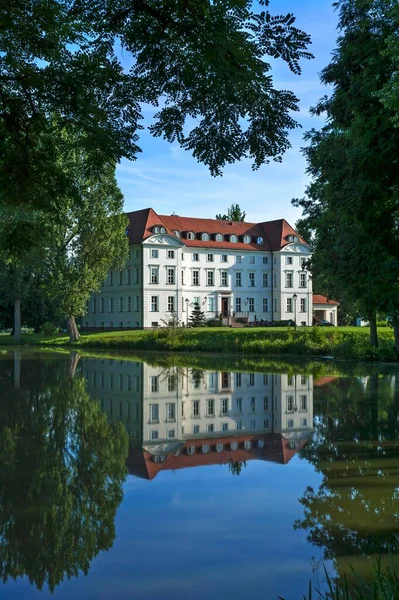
(355,511)
(62,468)
(235,468)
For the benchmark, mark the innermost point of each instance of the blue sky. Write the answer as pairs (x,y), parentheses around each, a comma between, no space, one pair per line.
(169,179)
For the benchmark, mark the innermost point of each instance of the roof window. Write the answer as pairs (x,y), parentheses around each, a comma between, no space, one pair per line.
(190,235)
(233,239)
(219,237)
(205,237)
(247,239)
(259,240)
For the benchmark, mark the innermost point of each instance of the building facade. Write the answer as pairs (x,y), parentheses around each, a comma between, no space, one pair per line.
(183,417)
(230,269)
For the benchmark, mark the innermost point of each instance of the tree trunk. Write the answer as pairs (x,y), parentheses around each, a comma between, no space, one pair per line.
(72,329)
(74,359)
(396,336)
(373,331)
(17,369)
(17,320)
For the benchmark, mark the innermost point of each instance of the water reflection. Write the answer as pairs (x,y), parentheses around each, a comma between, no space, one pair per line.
(61,475)
(354,515)
(181,418)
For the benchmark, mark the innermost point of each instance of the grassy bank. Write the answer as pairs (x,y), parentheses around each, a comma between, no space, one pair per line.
(339,342)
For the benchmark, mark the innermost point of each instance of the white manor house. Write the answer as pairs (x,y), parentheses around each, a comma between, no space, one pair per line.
(235,269)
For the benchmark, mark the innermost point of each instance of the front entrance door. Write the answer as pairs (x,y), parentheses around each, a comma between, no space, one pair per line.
(225,307)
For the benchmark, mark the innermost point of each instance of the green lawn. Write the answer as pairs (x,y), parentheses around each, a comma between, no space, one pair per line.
(340,342)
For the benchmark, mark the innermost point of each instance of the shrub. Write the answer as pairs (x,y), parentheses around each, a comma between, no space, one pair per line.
(49,329)
(241,320)
(214,323)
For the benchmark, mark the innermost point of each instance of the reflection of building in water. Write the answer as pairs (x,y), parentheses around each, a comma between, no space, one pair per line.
(183,417)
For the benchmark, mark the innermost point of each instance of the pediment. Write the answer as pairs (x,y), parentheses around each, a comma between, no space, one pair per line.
(300,248)
(164,239)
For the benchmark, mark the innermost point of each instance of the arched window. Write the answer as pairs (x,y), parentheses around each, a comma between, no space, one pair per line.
(259,240)
(156,229)
(247,445)
(205,448)
(205,237)
(233,239)
(234,445)
(162,230)
(261,443)
(296,238)
(219,237)
(190,235)
(247,239)
(177,233)
(219,447)
(290,238)
(191,450)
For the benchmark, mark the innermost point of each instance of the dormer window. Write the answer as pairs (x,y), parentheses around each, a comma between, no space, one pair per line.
(205,448)
(247,239)
(296,238)
(156,229)
(177,233)
(162,230)
(190,235)
(219,237)
(234,445)
(233,239)
(290,238)
(205,237)
(259,240)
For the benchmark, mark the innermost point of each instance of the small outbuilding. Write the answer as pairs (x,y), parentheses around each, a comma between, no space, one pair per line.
(325,309)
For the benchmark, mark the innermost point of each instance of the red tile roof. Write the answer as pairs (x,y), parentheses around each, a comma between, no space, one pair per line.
(324,380)
(276,449)
(319,299)
(274,233)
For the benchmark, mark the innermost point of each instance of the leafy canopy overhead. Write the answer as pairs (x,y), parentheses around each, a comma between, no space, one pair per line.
(234,213)
(201,64)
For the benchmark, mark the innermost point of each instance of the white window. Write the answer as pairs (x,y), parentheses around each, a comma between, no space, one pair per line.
(304,422)
(171,253)
(154,274)
(238,279)
(265,402)
(239,405)
(190,235)
(303,305)
(171,433)
(252,260)
(210,428)
(197,300)
(196,408)
(195,257)
(252,424)
(154,253)
(210,280)
(177,233)
(251,279)
(219,237)
(302,280)
(195,277)
(205,237)
(211,303)
(238,305)
(233,239)
(303,262)
(290,423)
(265,304)
(265,423)
(275,304)
(289,305)
(154,413)
(223,258)
(274,279)
(239,425)
(290,381)
(290,403)
(196,429)
(238,379)
(154,304)
(265,279)
(210,408)
(225,426)
(170,276)
(154,434)
(209,257)
(259,240)
(252,404)
(223,278)
(251,304)
(304,380)
(247,239)
(288,260)
(171,383)
(111,305)
(182,277)
(205,448)
(265,260)
(171,303)
(137,306)
(304,402)
(288,279)
(238,259)
(224,405)
(252,379)
(219,447)
(265,379)
(171,411)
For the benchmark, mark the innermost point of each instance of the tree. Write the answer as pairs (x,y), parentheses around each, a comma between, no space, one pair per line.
(235,467)
(63,466)
(352,202)
(206,62)
(197,317)
(87,240)
(234,213)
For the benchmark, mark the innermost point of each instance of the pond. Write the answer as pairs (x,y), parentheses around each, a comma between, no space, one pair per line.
(192,477)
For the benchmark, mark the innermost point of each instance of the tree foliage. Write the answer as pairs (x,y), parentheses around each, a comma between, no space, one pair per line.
(352,204)
(234,213)
(63,466)
(197,317)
